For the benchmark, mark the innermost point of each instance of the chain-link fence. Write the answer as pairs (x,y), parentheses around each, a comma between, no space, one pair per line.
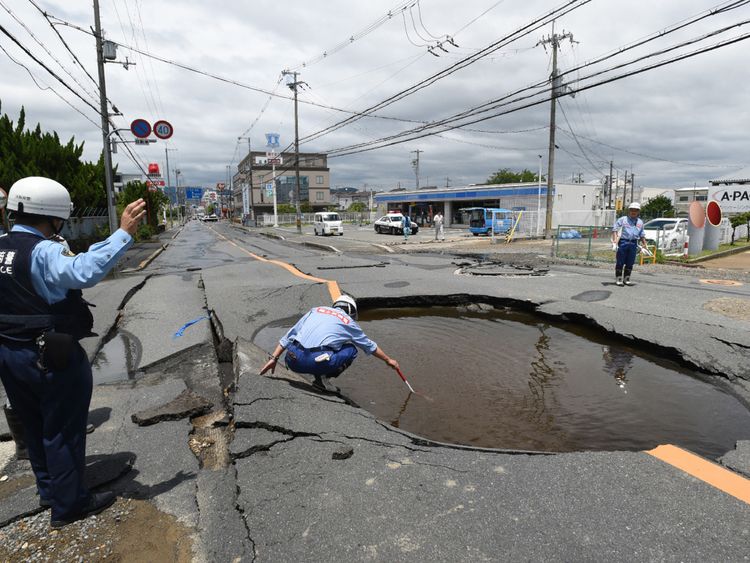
(286,219)
(584,242)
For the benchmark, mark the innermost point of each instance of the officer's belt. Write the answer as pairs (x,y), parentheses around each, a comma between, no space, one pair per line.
(17,324)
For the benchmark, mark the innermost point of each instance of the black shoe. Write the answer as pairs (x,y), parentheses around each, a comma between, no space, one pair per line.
(44,503)
(97,503)
(324,384)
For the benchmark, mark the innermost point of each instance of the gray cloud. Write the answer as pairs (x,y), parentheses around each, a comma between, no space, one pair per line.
(687,121)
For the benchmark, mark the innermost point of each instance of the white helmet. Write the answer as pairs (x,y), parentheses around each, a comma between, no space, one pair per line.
(347,304)
(634,205)
(40,196)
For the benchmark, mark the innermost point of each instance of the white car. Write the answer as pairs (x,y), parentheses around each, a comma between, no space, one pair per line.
(391,224)
(327,223)
(670,232)
(211,217)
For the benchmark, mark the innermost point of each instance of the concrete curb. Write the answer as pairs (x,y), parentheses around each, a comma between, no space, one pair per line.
(721,254)
(147,261)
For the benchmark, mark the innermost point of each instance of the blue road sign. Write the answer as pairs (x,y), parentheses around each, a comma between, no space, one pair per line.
(272,140)
(193,193)
(140,128)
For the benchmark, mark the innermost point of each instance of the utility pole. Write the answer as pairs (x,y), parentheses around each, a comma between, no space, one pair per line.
(415,163)
(169,183)
(632,186)
(104,114)
(609,204)
(554,41)
(293,85)
(224,189)
(250,172)
(447,182)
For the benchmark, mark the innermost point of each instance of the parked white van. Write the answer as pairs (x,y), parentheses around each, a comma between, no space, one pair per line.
(327,223)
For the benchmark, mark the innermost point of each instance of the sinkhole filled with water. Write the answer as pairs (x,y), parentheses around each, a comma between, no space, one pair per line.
(506,379)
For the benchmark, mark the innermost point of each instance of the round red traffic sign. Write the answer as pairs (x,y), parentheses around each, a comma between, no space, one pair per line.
(140,128)
(163,129)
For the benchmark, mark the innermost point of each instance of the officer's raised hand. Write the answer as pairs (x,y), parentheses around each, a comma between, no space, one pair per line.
(132,215)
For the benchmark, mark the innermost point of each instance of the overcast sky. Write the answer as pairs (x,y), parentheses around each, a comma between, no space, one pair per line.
(678,125)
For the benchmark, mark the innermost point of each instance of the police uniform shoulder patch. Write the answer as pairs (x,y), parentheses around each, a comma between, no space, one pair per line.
(67,252)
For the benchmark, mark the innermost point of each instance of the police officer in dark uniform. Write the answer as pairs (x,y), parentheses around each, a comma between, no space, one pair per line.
(44,369)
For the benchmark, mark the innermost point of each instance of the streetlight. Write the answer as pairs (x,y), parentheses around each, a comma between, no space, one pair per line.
(539,196)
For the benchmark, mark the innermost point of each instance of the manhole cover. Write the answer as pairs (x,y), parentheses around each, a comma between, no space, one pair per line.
(721,282)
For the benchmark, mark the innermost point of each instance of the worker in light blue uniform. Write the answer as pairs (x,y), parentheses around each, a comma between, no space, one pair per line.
(45,371)
(324,343)
(627,234)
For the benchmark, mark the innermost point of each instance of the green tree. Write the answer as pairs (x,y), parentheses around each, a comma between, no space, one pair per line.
(357,207)
(286,208)
(740,219)
(34,153)
(507,176)
(154,201)
(660,206)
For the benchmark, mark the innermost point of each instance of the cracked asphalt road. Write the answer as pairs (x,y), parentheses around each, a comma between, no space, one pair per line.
(314,478)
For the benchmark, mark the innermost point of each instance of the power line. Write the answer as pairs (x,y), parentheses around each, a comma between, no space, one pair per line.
(67,48)
(355,36)
(221,78)
(45,67)
(466,61)
(46,87)
(46,50)
(363,147)
(723,7)
(508,100)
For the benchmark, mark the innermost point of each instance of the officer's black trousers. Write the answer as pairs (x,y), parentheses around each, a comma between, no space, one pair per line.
(54,409)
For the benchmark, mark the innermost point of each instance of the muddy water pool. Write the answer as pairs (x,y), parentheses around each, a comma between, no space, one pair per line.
(505,379)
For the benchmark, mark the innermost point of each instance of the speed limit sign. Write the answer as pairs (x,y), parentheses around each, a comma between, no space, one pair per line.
(163,129)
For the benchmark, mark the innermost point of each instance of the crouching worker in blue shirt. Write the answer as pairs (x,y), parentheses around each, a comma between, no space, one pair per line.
(324,343)
(45,371)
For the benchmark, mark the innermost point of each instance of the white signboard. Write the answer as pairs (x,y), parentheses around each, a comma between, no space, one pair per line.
(732,198)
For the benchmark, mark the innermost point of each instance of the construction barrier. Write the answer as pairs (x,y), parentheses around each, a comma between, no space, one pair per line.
(696,228)
(712,234)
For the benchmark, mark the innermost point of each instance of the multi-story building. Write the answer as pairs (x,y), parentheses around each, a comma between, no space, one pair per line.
(256,171)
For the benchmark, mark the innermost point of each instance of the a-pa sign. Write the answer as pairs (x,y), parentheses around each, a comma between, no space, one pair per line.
(732,198)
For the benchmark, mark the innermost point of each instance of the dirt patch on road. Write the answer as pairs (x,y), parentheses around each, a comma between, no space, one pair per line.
(730,307)
(131,530)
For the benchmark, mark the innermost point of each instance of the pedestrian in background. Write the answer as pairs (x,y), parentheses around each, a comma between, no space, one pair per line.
(324,343)
(437,222)
(406,227)
(627,233)
(45,371)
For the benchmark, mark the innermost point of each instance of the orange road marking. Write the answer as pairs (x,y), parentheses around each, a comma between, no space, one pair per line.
(707,471)
(332,285)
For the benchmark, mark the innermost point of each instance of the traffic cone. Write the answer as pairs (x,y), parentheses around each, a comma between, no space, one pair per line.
(685,250)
